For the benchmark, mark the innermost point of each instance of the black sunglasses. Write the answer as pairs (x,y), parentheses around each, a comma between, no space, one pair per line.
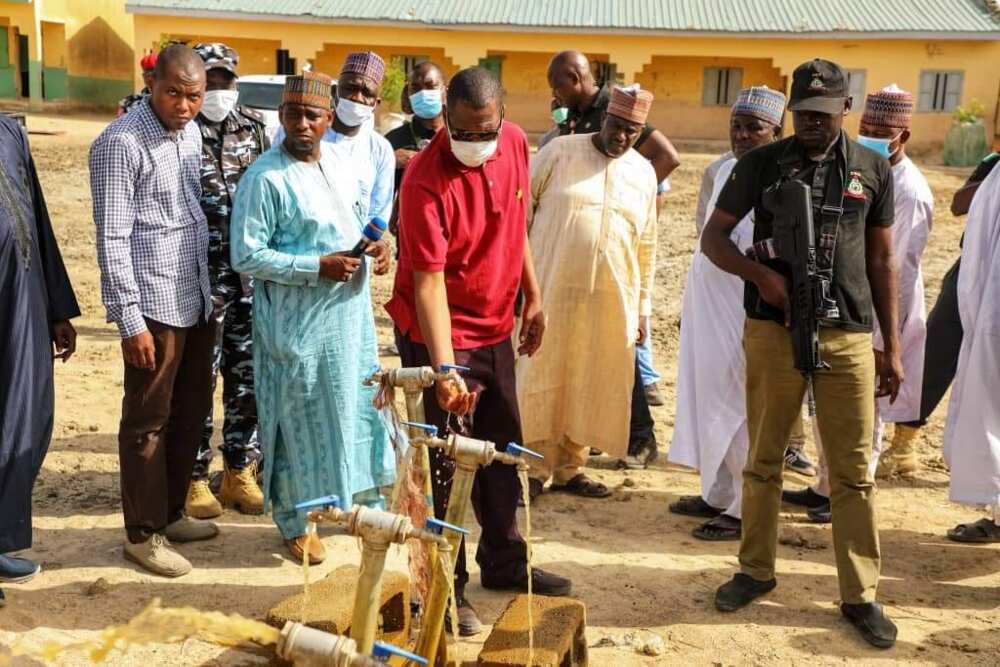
(462,135)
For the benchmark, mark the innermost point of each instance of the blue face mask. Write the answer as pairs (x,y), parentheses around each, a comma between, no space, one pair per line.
(880,146)
(426,103)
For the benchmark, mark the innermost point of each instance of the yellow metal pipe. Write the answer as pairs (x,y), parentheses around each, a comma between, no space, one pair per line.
(429,641)
(368,594)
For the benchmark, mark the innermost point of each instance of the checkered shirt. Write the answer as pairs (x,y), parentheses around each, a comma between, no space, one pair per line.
(152,236)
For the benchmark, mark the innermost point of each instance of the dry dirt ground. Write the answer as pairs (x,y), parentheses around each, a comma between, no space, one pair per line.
(635,565)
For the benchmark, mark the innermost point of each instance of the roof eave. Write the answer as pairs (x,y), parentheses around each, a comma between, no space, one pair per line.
(985,35)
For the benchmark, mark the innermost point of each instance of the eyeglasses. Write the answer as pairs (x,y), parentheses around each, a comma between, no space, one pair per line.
(463,135)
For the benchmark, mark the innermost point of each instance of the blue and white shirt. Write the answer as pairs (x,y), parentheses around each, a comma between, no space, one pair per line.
(152,236)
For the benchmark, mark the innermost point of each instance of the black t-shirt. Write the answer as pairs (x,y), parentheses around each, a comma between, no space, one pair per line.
(411,136)
(590,120)
(868,202)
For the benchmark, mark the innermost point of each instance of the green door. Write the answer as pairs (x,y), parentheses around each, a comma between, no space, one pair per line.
(493,64)
(7,87)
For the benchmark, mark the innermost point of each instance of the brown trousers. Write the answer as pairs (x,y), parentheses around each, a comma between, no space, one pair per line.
(163,413)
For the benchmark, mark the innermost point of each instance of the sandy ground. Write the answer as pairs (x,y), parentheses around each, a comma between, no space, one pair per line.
(635,565)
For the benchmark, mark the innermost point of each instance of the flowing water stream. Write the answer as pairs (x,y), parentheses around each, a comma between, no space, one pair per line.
(522,473)
(155,624)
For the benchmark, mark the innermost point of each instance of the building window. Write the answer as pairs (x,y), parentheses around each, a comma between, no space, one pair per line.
(605,73)
(722,86)
(940,90)
(409,62)
(286,64)
(856,88)
(493,64)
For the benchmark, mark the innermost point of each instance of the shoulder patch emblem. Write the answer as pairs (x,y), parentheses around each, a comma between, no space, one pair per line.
(854,187)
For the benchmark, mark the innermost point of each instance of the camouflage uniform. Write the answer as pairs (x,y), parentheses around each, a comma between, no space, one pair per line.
(228,149)
(126,103)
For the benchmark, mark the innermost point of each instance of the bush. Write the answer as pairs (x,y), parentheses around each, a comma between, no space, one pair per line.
(392,85)
(973,113)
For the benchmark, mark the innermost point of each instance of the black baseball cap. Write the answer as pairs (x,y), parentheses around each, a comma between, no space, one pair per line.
(818,85)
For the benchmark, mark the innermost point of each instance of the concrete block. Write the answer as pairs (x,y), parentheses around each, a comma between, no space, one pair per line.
(560,634)
(331,602)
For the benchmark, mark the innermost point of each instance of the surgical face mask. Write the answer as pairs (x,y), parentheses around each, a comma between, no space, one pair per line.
(352,113)
(426,103)
(473,153)
(880,146)
(560,115)
(218,103)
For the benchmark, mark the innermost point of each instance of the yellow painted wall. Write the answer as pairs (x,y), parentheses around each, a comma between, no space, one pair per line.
(257,56)
(677,84)
(526,55)
(100,40)
(53,44)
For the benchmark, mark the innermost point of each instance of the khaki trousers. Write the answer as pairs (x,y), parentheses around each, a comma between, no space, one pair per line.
(845,415)
(563,460)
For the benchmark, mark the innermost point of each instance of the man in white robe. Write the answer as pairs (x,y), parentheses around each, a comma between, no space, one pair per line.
(885,128)
(592,227)
(710,427)
(972,432)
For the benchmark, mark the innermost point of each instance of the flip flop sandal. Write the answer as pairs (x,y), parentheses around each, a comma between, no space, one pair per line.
(720,529)
(694,506)
(983,531)
(583,486)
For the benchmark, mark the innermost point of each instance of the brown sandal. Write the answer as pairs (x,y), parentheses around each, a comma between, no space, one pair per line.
(723,528)
(583,486)
(694,506)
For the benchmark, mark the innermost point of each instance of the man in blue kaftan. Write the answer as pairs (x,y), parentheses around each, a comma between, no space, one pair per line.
(298,210)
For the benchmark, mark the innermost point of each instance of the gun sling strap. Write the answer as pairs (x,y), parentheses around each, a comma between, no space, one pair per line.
(829,205)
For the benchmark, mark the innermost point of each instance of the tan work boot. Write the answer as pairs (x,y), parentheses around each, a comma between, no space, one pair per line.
(158,556)
(317,552)
(201,502)
(186,529)
(240,490)
(900,458)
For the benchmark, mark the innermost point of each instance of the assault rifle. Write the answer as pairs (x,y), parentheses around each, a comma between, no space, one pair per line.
(794,244)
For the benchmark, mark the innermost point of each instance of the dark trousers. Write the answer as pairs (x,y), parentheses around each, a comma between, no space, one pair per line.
(641,424)
(233,358)
(944,340)
(502,553)
(163,413)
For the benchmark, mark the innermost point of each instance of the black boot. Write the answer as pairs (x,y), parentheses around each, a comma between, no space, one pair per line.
(740,591)
(870,620)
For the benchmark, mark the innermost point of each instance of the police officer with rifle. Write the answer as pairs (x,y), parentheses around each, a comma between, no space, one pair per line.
(820,270)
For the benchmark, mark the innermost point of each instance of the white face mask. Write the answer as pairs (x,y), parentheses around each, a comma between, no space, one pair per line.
(352,113)
(473,153)
(218,104)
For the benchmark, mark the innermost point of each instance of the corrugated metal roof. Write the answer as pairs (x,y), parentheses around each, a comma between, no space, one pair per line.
(726,16)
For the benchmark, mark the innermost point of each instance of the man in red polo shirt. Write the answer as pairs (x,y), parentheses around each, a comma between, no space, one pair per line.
(462,260)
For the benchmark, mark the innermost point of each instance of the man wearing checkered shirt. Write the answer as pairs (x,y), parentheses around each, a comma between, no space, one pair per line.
(152,245)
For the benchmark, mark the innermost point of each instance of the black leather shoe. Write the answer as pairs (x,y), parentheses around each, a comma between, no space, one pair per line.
(542,583)
(468,620)
(870,620)
(740,591)
(821,514)
(804,498)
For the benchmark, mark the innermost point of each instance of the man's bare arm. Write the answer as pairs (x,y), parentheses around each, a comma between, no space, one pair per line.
(882,277)
(661,154)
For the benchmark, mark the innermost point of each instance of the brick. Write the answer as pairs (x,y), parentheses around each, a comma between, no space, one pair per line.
(331,603)
(560,634)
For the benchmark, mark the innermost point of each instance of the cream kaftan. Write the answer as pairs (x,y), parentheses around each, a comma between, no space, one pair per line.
(592,228)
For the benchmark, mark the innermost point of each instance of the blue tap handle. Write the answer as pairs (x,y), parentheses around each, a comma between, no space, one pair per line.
(325,501)
(437,526)
(430,429)
(444,368)
(518,450)
(382,652)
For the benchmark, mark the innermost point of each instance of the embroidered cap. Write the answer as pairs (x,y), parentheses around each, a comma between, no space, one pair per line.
(761,102)
(218,56)
(311,89)
(631,103)
(891,107)
(366,63)
(818,85)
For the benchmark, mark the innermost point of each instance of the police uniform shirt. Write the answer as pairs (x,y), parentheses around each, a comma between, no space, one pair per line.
(868,202)
(589,121)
